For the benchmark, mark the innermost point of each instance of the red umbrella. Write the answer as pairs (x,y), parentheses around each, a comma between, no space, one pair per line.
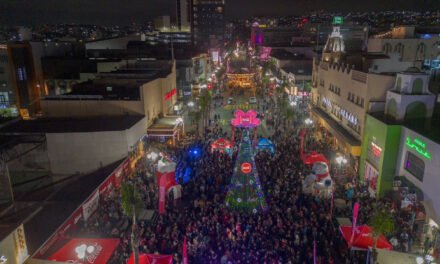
(363,237)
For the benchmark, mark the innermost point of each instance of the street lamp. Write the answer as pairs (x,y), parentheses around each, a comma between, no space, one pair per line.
(427,260)
(83,250)
(341,160)
(308,121)
(179,120)
(190,103)
(292,103)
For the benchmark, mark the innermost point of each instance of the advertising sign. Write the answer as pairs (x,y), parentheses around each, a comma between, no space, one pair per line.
(91,206)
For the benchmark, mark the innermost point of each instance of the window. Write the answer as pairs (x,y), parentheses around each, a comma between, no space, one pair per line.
(349,96)
(362,102)
(415,165)
(2,70)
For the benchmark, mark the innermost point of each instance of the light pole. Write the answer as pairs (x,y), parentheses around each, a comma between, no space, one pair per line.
(308,122)
(83,250)
(341,160)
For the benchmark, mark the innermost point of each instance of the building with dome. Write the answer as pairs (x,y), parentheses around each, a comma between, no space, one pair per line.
(349,81)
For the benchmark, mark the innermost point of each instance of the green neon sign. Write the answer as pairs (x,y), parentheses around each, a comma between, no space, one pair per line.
(418,146)
(338,20)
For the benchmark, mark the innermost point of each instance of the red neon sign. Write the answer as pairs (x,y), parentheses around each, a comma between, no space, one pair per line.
(376,149)
(170,94)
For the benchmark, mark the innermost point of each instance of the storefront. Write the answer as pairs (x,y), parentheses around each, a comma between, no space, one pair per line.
(341,140)
(396,159)
(418,161)
(380,147)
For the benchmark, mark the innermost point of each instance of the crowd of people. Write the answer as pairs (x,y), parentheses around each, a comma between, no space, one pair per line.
(296,227)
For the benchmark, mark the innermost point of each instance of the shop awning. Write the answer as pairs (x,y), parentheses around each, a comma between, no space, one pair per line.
(103,250)
(338,131)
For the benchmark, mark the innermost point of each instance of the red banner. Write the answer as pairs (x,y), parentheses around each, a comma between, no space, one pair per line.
(185,252)
(355,218)
(162,199)
(102,251)
(150,259)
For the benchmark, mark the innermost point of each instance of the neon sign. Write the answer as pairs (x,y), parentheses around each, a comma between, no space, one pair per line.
(418,146)
(338,20)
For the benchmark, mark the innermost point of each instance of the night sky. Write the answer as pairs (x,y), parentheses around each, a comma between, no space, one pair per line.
(120,12)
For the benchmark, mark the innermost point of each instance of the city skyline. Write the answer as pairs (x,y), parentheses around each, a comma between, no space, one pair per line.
(111,12)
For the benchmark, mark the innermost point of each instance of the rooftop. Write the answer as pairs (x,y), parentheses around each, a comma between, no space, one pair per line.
(286,55)
(299,69)
(44,210)
(427,127)
(71,125)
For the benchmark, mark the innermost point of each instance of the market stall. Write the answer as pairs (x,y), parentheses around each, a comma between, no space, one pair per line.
(222,145)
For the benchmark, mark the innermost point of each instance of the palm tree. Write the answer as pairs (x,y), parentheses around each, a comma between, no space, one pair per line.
(131,205)
(205,103)
(196,116)
(382,222)
(287,110)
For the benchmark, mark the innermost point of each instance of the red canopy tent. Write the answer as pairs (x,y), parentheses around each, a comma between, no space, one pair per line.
(103,250)
(363,238)
(150,259)
(221,144)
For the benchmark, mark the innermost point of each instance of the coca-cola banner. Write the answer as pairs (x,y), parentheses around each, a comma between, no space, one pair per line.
(91,205)
(77,247)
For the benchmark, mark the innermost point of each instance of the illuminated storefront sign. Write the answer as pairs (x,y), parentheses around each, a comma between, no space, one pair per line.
(419,146)
(338,20)
(376,149)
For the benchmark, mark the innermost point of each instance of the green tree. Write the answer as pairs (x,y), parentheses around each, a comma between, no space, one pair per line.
(382,222)
(205,103)
(196,116)
(131,205)
(287,110)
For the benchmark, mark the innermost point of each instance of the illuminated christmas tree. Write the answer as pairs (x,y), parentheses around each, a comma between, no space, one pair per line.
(245,193)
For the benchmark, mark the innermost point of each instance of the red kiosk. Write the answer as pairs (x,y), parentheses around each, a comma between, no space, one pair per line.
(222,145)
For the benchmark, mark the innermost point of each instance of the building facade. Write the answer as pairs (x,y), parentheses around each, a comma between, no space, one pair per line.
(183,15)
(207,23)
